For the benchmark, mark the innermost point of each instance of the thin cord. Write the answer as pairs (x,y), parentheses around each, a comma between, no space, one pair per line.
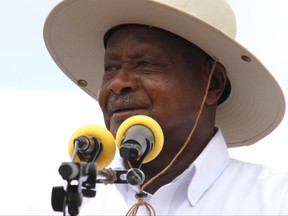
(134,209)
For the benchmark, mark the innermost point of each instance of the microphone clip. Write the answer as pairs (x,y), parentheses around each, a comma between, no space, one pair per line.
(81,180)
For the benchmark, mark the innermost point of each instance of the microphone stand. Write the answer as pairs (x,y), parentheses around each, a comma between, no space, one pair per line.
(82,176)
(81,180)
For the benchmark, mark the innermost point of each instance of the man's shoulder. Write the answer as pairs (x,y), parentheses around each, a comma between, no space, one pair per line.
(257,173)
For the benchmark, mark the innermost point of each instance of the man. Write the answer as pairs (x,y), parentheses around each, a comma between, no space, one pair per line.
(137,60)
(177,62)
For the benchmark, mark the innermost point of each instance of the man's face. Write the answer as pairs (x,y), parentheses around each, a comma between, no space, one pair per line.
(153,73)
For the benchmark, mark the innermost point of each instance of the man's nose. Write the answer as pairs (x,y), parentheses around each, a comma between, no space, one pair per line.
(124,81)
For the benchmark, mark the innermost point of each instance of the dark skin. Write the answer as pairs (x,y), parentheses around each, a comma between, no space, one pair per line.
(155,73)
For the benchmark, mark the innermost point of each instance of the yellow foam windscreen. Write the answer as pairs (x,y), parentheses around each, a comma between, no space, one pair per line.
(104,136)
(149,123)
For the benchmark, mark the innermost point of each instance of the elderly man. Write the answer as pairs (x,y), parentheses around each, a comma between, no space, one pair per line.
(177,62)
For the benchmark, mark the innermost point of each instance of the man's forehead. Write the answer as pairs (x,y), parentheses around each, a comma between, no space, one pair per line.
(145,29)
(136,41)
(154,33)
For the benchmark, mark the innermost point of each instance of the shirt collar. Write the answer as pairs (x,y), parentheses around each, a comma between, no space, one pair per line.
(208,166)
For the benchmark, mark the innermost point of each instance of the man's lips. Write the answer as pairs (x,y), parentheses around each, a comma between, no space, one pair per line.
(122,114)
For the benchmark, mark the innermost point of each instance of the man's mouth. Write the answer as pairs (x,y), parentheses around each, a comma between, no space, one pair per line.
(120,114)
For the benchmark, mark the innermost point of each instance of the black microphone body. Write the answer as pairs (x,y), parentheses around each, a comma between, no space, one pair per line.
(86,144)
(138,140)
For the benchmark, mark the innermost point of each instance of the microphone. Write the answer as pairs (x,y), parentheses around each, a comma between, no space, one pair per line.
(140,136)
(91,138)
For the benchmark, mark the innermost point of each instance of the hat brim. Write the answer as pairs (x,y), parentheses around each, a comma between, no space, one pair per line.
(74,31)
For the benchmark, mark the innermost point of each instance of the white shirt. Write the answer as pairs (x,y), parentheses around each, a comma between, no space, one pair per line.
(213,184)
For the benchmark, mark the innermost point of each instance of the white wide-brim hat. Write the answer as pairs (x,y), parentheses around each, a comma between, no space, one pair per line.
(74,32)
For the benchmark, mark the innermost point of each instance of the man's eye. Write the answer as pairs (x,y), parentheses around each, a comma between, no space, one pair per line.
(111,68)
(146,64)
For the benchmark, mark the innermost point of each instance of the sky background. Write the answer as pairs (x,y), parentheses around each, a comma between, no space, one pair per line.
(41,108)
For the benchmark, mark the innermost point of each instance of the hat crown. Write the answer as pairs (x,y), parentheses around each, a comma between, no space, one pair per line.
(222,17)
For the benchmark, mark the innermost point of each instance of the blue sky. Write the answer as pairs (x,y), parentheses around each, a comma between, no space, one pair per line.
(41,107)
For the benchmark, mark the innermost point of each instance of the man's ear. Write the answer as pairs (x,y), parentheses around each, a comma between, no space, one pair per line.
(217,84)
